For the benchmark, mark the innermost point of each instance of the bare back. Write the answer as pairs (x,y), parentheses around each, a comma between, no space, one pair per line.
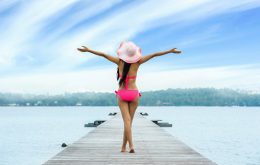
(132,72)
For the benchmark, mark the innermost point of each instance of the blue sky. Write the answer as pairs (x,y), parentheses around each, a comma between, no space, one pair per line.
(38,41)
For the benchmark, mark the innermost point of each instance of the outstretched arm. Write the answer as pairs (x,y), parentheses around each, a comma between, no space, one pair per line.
(150,56)
(108,57)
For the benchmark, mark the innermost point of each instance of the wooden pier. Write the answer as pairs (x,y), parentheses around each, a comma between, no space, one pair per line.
(152,144)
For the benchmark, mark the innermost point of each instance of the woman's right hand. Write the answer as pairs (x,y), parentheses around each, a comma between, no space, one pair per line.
(83,49)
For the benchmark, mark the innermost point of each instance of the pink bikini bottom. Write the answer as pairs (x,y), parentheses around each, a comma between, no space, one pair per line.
(128,94)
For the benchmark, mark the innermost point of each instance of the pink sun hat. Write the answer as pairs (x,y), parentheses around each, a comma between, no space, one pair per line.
(129,52)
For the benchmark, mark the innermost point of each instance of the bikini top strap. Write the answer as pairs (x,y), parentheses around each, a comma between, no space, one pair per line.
(127,78)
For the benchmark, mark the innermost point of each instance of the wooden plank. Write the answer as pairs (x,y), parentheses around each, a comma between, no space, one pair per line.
(153,145)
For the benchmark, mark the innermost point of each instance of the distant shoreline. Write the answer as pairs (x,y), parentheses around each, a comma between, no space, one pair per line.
(138,106)
(168,97)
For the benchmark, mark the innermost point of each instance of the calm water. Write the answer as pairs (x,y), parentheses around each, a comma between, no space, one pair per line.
(226,135)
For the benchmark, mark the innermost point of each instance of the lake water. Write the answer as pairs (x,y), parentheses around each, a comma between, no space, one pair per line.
(226,135)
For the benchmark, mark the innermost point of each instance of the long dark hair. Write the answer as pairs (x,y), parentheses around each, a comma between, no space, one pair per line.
(125,72)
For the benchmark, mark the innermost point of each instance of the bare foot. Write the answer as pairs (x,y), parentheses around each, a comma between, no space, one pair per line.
(132,151)
(123,149)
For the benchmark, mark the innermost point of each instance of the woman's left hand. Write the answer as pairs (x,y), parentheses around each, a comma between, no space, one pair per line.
(174,50)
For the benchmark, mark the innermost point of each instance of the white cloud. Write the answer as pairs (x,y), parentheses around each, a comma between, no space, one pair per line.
(236,77)
(60,82)
(104,35)
(128,21)
(104,80)
(23,25)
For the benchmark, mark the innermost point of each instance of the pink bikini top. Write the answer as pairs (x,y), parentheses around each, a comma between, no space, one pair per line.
(126,80)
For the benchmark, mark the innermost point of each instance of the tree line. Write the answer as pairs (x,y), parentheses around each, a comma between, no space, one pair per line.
(168,97)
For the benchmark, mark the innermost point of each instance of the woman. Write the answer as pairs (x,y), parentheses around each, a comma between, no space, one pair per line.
(128,61)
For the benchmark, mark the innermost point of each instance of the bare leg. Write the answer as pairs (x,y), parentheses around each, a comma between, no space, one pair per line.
(125,139)
(124,142)
(132,108)
(123,105)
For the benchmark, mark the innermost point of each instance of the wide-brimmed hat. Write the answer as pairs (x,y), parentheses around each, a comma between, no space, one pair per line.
(129,52)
